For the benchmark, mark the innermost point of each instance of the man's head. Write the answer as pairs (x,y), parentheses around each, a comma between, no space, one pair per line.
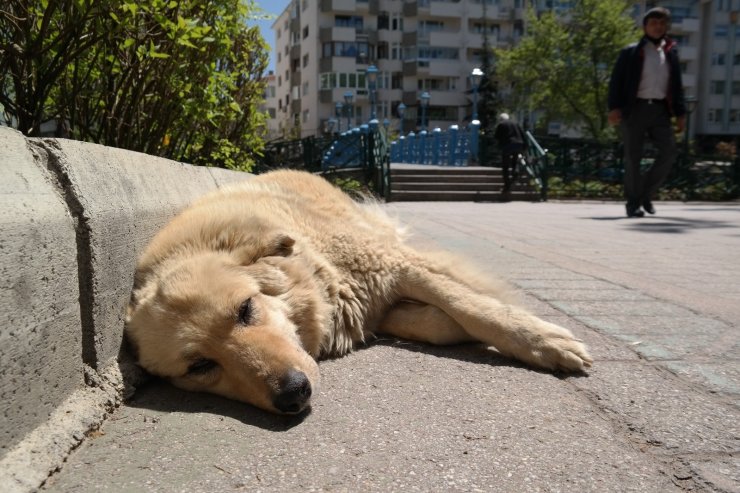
(503,117)
(656,22)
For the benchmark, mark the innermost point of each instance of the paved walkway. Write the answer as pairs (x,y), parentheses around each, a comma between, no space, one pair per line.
(656,299)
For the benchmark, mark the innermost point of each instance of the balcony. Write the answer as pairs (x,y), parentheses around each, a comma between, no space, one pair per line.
(327,34)
(332,6)
(688,52)
(409,38)
(410,69)
(410,9)
(445,38)
(445,9)
(295,51)
(685,25)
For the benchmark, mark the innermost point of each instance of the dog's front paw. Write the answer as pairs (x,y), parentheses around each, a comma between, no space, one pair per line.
(555,348)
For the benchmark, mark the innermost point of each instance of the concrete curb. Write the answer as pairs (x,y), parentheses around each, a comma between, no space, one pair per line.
(76,216)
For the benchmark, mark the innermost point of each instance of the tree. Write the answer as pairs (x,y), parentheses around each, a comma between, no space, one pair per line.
(175,78)
(563,63)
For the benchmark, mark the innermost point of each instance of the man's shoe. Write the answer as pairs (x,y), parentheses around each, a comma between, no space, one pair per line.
(648,206)
(633,211)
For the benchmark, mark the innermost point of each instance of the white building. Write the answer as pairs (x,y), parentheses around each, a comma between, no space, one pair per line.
(324,47)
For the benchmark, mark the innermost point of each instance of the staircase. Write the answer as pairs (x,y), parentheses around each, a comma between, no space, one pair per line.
(411,182)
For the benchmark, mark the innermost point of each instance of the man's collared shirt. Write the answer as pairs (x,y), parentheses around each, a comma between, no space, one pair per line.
(655,72)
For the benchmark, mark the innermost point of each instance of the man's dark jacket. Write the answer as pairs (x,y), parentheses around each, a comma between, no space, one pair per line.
(626,75)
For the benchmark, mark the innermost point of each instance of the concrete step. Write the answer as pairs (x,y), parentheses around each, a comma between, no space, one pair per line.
(450,183)
(461,196)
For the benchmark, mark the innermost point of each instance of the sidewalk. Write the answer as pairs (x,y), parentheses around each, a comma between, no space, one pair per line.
(656,300)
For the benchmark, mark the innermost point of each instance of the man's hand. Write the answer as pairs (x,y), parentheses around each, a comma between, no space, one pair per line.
(615,116)
(680,124)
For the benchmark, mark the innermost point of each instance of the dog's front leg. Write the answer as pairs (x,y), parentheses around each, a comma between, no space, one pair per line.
(510,329)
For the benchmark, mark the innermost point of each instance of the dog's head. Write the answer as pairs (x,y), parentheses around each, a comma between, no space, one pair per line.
(226,322)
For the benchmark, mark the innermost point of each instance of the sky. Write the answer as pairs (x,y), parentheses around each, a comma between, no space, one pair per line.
(274,7)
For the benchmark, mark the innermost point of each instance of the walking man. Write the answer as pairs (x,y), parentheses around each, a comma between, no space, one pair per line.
(510,137)
(645,92)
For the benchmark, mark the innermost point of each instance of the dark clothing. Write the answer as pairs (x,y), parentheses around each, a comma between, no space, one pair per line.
(650,121)
(510,137)
(645,119)
(625,79)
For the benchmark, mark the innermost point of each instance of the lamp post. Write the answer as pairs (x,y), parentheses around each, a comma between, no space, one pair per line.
(348,97)
(338,111)
(424,104)
(401,110)
(372,79)
(691,103)
(475,77)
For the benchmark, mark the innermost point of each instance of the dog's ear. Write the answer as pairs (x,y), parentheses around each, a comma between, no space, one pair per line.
(276,245)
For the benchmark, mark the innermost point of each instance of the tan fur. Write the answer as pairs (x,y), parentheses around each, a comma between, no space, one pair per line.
(321,273)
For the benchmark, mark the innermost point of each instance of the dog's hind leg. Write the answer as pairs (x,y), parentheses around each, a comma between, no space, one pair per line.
(510,329)
(423,323)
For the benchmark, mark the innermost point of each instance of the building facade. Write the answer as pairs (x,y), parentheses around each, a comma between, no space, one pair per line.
(324,47)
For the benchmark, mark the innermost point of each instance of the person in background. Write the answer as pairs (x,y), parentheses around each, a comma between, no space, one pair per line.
(645,92)
(511,139)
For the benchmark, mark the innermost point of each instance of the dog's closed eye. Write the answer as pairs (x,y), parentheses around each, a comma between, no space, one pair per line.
(244,315)
(201,366)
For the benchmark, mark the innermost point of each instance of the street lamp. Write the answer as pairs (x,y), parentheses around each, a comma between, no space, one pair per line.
(338,111)
(330,123)
(372,78)
(691,103)
(348,97)
(424,105)
(401,110)
(475,78)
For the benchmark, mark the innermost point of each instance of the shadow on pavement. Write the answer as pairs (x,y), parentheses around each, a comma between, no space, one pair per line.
(160,395)
(469,353)
(666,224)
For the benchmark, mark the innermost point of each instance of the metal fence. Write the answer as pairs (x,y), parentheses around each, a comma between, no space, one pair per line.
(559,168)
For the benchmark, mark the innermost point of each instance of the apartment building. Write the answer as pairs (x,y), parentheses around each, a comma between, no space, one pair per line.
(324,47)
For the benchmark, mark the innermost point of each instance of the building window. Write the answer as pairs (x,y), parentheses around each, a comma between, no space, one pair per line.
(271,113)
(277,36)
(305,88)
(734,116)
(736,87)
(305,5)
(395,51)
(305,60)
(355,21)
(383,50)
(718,59)
(397,80)
(305,32)
(426,27)
(715,115)
(397,22)
(720,31)
(717,86)
(383,20)
(305,116)
(279,57)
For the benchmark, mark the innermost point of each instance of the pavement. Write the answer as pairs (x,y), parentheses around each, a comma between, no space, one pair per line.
(657,300)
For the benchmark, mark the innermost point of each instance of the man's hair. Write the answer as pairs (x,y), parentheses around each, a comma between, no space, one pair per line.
(656,13)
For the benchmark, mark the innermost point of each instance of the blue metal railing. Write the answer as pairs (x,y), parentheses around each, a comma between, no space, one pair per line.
(364,147)
(452,147)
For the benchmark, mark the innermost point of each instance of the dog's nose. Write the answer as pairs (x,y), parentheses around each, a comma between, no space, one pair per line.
(295,391)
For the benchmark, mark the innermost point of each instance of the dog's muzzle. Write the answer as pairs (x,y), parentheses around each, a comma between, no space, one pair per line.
(294,394)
